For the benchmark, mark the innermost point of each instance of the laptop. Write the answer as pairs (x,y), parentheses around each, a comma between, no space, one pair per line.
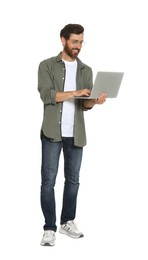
(105,82)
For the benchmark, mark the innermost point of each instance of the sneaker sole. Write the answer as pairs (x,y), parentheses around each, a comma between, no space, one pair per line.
(64,232)
(47,244)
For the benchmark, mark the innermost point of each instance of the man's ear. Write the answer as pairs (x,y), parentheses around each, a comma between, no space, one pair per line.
(63,40)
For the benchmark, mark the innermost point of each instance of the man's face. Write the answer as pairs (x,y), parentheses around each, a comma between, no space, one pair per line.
(73,45)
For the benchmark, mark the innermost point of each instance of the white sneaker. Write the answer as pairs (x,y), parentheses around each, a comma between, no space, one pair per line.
(70,229)
(48,238)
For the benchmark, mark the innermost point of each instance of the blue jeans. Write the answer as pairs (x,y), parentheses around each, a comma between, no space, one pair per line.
(50,161)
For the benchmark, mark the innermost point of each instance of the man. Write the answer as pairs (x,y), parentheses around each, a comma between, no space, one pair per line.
(60,80)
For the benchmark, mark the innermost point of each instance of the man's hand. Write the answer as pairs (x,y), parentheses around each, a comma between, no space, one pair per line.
(101,99)
(83,92)
(91,102)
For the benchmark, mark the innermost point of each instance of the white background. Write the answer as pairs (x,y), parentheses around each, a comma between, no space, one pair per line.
(112,204)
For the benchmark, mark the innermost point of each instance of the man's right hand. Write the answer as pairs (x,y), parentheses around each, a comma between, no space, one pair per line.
(83,92)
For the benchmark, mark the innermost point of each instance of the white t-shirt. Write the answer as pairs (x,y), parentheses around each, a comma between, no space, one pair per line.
(68,111)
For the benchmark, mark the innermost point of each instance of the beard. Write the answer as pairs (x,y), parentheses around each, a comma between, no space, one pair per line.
(73,53)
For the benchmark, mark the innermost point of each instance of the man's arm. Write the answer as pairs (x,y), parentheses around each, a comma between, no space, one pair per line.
(63,96)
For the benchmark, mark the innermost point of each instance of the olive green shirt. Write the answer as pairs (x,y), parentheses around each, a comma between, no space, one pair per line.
(51,77)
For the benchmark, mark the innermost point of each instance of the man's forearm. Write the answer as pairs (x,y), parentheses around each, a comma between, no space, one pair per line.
(63,96)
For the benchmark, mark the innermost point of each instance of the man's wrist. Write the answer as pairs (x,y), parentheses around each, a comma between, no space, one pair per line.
(73,93)
(88,104)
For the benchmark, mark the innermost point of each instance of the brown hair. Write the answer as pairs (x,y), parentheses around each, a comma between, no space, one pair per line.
(71,28)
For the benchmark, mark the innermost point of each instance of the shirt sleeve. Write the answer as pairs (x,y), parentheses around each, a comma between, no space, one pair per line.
(45,84)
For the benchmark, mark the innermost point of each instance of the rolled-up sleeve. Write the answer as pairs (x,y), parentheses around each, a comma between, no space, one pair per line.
(45,84)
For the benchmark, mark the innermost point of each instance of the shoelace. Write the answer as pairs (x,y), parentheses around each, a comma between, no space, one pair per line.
(71,226)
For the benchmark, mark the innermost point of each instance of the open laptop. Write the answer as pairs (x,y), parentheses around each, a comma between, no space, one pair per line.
(105,82)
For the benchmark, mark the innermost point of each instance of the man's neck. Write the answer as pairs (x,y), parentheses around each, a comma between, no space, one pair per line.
(66,57)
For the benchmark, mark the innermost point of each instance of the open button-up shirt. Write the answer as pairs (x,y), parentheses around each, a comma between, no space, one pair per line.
(51,76)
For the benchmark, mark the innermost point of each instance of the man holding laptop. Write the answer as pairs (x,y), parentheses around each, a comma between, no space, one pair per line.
(61,80)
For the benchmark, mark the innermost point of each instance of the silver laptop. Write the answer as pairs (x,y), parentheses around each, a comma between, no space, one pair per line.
(105,82)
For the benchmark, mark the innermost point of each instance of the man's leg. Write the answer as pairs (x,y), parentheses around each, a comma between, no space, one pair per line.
(50,161)
(72,164)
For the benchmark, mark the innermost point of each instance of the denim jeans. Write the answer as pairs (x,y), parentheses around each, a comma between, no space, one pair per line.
(50,161)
